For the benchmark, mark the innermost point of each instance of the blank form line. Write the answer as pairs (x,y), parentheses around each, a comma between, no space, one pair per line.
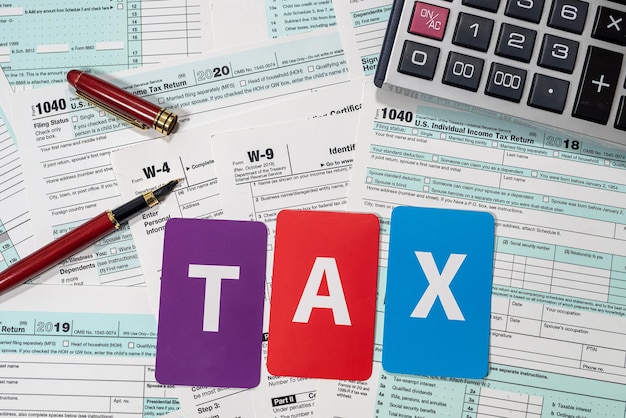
(5,54)
(11,11)
(144,24)
(53,48)
(109,45)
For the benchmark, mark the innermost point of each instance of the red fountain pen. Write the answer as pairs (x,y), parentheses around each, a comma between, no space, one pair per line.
(126,106)
(79,238)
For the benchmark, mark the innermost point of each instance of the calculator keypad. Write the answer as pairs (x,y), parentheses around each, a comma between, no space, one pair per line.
(546,56)
(488,5)
(528,10)
(515,42)
(419,60)
(568,15)
(429,20)
(598,84)
(473,32)
(505,82)
(463,71)
(558,53)
(548,93)
(610,26)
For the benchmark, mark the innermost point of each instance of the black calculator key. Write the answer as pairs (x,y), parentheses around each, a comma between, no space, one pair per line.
(515,42)
(505,82)
(489,5)
(473,32)
(418,60)
(610,26)
(558,53)
(568,15)
(463,71)
(597,85)
(620,119)
(548,93)
(528,10)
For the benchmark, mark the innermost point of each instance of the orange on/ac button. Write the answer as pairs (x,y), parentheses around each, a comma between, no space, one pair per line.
(429,20)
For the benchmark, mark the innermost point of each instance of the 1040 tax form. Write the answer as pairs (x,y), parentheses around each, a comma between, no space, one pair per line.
(559,286)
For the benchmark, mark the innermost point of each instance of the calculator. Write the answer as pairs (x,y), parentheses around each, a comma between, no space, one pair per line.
(554,62)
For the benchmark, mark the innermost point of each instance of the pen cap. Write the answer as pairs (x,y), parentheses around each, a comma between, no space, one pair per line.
(121,103)
(165,122)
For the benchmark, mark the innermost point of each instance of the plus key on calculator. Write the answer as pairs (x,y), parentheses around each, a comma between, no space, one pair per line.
(553,62)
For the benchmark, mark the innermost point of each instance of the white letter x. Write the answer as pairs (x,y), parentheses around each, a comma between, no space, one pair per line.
(439,285)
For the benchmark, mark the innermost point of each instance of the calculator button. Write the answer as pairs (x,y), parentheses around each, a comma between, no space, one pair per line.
(568,15)
(505,82)
(597,86)
(488,5)
(548,93)
(610,26)
(515,42)
(558,53)
(528,10)
(418,60)
(429,20)
(473,32)
(463,71)
(620,120)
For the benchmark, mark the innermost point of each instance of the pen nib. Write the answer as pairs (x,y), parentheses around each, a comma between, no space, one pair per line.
(166,189)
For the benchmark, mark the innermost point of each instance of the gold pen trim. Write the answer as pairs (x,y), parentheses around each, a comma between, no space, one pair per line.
(114,221)
(150,199)
(165,121)
(109,109)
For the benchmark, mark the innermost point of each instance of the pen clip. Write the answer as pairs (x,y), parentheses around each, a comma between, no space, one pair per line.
(109,109)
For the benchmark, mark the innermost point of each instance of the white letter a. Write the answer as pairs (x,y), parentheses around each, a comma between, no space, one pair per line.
(335,299)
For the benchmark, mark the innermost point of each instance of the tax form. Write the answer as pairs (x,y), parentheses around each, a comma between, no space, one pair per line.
(15,231)
(66,143)
(269,19)
(71,351)
(363,24)
(191,158)
(42,41)
(559,302)
(293,165)
(80,351)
